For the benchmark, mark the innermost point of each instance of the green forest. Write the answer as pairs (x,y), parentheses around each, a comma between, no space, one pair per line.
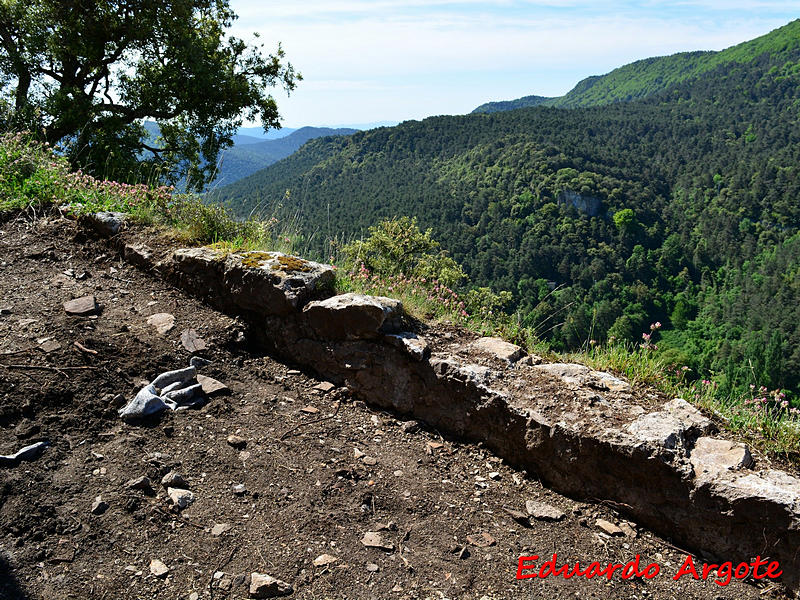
(655,198)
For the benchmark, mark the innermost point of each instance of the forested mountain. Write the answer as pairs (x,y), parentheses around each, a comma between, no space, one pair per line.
(244,159)
(525,102)
(681,207)
(649,76)
(272,134)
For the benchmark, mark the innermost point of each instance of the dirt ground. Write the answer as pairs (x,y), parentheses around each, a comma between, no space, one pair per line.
(318,469)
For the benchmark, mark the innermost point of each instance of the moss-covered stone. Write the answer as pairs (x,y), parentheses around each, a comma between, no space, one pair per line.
(255,259)
(290,264)
(287,264)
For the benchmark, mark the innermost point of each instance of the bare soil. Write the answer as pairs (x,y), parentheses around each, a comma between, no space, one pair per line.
(308,490)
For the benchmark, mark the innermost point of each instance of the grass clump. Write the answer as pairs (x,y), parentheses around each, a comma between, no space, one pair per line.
(764,418)
(33,176)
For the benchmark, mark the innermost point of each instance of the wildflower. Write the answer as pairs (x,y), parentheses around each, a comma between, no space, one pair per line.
(646,337)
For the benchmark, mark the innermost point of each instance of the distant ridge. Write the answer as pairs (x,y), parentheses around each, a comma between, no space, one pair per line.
(524,102)
(246,158)
(652,75)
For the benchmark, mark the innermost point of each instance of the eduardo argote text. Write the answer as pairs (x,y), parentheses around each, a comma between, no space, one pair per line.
(529,567)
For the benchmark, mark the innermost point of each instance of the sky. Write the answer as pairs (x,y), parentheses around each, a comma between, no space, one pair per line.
(365,61)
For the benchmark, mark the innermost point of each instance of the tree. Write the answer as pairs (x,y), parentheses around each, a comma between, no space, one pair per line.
(86,75)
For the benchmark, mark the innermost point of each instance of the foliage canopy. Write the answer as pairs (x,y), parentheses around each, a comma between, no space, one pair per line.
(85,75)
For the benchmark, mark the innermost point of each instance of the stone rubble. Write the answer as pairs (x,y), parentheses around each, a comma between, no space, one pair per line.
(543,512)
(176,390)
(30,452)
(266,586)
(180,498)
(81,307)
(158,568)
(99,506)
(163,322)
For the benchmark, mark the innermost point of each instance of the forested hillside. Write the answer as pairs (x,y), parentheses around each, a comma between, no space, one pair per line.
(525,102)
(652,75)
(244,159)
(680,208)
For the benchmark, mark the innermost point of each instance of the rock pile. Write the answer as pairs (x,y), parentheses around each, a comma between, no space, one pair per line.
(176,390)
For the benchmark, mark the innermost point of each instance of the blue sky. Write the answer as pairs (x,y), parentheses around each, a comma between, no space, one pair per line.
(376,60)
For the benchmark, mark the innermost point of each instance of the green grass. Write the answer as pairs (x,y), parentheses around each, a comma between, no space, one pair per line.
(32,177)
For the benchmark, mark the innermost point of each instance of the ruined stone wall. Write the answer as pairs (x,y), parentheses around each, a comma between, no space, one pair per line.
(582,432)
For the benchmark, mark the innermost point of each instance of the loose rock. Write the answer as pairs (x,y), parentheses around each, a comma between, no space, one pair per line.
(198,362)
(483,541)
(106,223)
(220,529)
(163,322)
(138,254)
(608,527)
(81,307)
(266,586)
(212,387)
(180,498)
(158,568)
(519,516)
(140,483)
(99,506)
(373,539)
(173,479)
(410,426)
(49,346)
(543,512)
(192,342)
(324,560)
(237,441)
(498,348)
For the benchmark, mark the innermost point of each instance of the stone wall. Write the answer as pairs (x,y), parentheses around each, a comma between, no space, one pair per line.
(582,432)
